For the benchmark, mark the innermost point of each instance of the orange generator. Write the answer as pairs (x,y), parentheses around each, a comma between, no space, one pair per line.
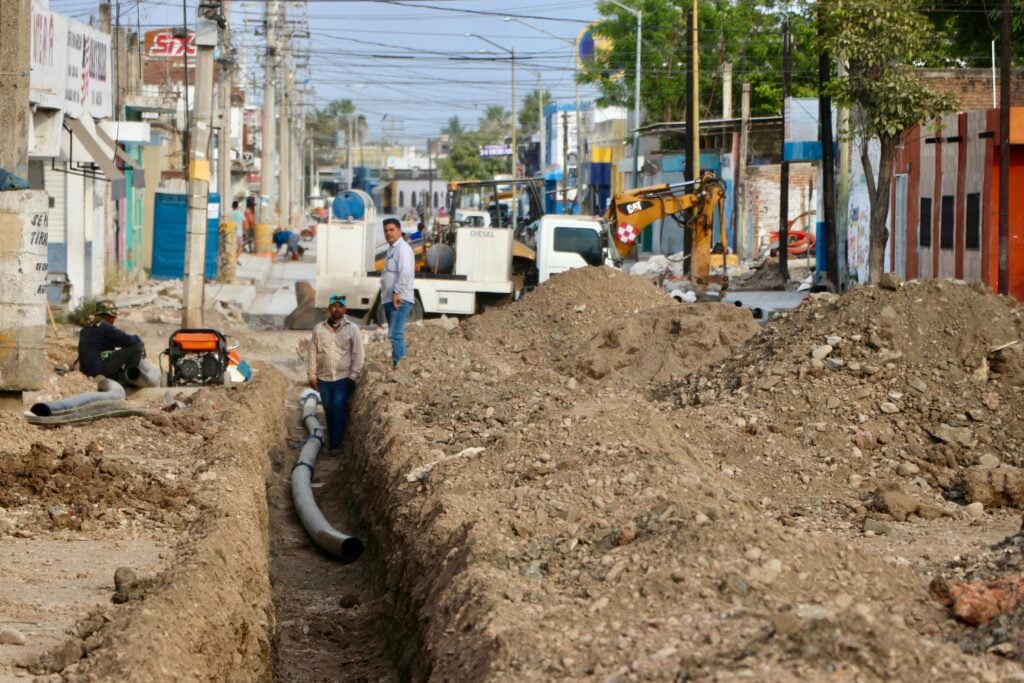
(196,357)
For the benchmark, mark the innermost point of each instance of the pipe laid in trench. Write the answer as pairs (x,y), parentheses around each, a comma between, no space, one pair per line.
(342,546)
(109,390)
(145,374)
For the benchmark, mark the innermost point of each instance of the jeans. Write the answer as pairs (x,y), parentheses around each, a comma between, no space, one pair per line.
(397,318)
(334,396)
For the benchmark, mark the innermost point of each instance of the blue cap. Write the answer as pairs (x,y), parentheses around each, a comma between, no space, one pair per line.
(337,299)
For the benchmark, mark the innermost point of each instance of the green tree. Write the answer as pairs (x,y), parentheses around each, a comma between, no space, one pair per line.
(970,26)
(880,41)
(744,33)
(464,161)
(497,122)
(529,114)
(337,117)
(454,129)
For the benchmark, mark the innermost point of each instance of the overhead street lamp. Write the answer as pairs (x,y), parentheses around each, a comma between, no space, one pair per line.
(579,127)
(515,154)
(636,90)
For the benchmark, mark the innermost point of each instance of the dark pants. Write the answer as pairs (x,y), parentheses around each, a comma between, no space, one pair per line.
(334,396)
(116,361)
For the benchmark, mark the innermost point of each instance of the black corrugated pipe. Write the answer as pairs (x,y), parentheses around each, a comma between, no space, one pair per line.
(109,390)
(327,538)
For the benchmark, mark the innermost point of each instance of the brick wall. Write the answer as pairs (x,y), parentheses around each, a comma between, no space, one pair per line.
(763,192)
(974,86)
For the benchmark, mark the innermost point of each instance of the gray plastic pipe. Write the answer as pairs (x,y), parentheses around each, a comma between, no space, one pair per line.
(346,548)
(109,390)
(145,374)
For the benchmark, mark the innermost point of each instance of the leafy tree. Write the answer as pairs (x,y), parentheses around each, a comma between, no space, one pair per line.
(336,117)
(970,26)
(745,33)
(464,161)
(454,129)
(496,121)
(880,41)
(529,114)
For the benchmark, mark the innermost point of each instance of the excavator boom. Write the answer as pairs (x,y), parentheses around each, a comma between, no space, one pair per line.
(633,211)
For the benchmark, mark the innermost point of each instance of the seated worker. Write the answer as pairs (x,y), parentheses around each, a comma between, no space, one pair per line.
(104,349)
(287,237)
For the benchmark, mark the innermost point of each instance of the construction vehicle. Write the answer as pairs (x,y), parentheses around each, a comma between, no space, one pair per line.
(466,266)
(633,211)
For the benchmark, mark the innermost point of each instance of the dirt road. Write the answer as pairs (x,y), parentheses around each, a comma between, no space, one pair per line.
(594,483)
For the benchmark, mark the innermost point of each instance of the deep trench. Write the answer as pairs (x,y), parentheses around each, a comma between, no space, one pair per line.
(334,622)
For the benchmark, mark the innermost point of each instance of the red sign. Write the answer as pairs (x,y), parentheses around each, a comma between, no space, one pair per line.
(169,43)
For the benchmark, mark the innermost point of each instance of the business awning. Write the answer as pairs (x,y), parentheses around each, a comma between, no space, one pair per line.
(138,177)
(45,126)
(84,134)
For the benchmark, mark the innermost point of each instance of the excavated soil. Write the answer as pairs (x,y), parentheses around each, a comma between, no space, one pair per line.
(593,483)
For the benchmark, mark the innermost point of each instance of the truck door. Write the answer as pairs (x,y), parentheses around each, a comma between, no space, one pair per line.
(566,247)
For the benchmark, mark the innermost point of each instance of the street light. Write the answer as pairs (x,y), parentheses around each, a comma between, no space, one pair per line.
(636,90)
(515,154)
(579,127)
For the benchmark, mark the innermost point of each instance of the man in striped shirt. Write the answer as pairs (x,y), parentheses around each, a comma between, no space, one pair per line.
(334,365)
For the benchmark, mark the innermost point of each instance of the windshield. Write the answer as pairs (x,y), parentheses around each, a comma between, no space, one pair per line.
(582,241)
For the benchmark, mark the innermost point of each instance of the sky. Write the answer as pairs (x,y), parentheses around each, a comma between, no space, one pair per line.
(407,65)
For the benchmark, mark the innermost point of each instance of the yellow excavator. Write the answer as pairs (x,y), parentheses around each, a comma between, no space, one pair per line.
(632,211)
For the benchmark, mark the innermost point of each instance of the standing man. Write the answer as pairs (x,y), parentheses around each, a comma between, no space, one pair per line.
(397,294)
(334,365)
(106,350)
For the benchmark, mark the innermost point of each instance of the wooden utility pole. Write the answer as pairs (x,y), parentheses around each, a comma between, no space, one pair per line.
(787,75)
(199,169)
(267,169)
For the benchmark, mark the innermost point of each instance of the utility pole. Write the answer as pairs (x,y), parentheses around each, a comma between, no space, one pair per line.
(199,169)
(828,169)
(267,169)
(787,75)
(284,154)
(224,95)
(740,207)
(694,117)
(565,161)
(727,90)
(1004,151)
(15,61)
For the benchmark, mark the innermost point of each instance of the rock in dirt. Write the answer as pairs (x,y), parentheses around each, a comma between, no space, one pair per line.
(999,486)
(12,636)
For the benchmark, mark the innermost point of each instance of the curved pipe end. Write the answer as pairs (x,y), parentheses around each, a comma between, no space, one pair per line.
(41,409)
(351,550)
(307,393)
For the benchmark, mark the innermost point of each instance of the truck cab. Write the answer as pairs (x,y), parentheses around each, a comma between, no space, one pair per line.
(562,243)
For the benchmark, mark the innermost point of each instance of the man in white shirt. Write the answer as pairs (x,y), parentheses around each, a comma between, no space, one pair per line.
(397,293)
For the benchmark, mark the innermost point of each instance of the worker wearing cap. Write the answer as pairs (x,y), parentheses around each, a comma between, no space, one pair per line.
(334,364)
(103,349)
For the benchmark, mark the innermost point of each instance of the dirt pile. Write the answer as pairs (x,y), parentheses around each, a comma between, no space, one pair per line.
(174,500)
(709,527)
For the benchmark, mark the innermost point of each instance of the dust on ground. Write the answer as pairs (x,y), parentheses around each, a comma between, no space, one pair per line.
(594,483)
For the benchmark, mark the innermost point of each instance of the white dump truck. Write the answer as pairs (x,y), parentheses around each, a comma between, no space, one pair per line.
(455,275)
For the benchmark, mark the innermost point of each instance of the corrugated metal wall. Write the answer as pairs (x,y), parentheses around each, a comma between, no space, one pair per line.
(974,196)
(950,169)
(926,217)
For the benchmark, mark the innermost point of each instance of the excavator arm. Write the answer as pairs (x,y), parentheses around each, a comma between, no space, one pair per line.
(633,211)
